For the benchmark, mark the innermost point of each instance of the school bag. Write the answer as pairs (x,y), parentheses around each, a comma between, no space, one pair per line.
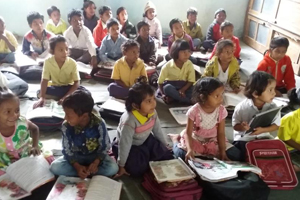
(273,158)
(185,190)
(46,124)
(33,72)
(247,186)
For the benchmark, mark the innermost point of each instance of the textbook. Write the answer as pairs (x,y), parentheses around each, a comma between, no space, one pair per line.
(84,68)
(23,176)
(50,109)
(107,65)
(179,114)
(216,170)
(114,105)
(98,187)
(171,170)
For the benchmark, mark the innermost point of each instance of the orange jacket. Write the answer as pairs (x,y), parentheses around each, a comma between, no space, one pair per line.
(99,33)
(282,70)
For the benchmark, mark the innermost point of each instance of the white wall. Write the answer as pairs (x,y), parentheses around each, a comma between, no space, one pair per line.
(15,11)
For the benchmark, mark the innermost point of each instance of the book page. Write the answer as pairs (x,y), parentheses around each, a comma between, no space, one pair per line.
(69,188)
(30,172)
(50,109)
(114,104)
(57,110)
(179,114)
(232,99)
(83,68)
(103,188)
(171,170)
(107,65)
(249,137)
(10,190)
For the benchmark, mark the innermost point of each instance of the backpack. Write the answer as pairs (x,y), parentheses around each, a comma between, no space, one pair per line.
(247,186)
(33,72)
(48,124)
(185,190)
(273,158)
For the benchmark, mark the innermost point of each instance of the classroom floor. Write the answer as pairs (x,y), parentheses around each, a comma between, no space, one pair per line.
(132,188)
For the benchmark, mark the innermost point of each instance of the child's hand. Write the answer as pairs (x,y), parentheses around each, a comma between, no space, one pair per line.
(245,126)
(34,55)
(60,101)
(258,131)
(39,103)
(151,64)
(189,155)
(182,93)
(121,172)
(81,170)
(223,156)
(35,151)
(93,168)
(94,61)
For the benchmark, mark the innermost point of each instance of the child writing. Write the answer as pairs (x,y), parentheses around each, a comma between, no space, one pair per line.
(224,66)
(289,127)
(140,135)
(277,63)
(155,26)
(8,44)
(55,24)
(18,136)
(89,17)
(61,70)
(85,140)
(178,75)
(128,29)
(205,129)
(100,31)
(126,70)
(260,92)
(213,32)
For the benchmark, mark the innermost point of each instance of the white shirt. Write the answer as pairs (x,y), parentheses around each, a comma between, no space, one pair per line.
(155,28)
(84,40)
(223,76)
(3,80)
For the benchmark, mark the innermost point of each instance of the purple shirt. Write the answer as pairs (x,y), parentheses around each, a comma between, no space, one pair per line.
(185,37)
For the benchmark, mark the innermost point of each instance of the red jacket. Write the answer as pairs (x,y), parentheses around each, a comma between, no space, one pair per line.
(282,70)
(99,33)
(237,47)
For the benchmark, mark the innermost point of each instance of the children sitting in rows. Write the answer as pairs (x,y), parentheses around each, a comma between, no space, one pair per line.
(127,28)
(205,129)
(61,70)
(111,43)
(19,137)
(89,17)
(37,39)
(277,63)
(55,24)
(155,26)
(80,40)
(224,66)
(260,92)
(126,70)
(193,28)
(100,31)
(85,140)
(140,137)
(8,44)
(213,32)
(178,75)
(227,34)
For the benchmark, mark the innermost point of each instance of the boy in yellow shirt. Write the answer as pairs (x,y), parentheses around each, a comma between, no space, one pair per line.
(55,24)
(126,70)
(8,44)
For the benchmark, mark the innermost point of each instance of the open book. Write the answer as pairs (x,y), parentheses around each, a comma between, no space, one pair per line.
(50,109)
(179,114)
(107,65)
(23,176)
(23,60)
(99,187)
(114,105)
(84,68)
(249,137)
(217,170)
(171,171)
(233,99)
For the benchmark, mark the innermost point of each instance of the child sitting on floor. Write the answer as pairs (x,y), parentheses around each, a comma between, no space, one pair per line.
(89,17)
(55,24)
(111,44)
(227,33)
(100,31)
(128,29)
(61,70)
(18,137)
(140,136)
(205,129)
(85,140)
(178,75)
(126,70)
(155,26)
(260,92)
(8,44)
(80,40)
(277,63)
(289,127)
(213,32)
(224,66)
(37,38)
(193,28)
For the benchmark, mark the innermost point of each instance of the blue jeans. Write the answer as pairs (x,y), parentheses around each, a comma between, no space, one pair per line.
(7,57)
(171,90)
(107,166)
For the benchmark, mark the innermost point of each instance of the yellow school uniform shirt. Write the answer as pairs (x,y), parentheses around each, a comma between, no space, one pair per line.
(290,128)
(195,32)
(127,75)
(60,28)
(66,75)
(11,38)
(170,72)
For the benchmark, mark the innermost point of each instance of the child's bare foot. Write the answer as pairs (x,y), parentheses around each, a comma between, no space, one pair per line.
(174,137)
(296,168)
